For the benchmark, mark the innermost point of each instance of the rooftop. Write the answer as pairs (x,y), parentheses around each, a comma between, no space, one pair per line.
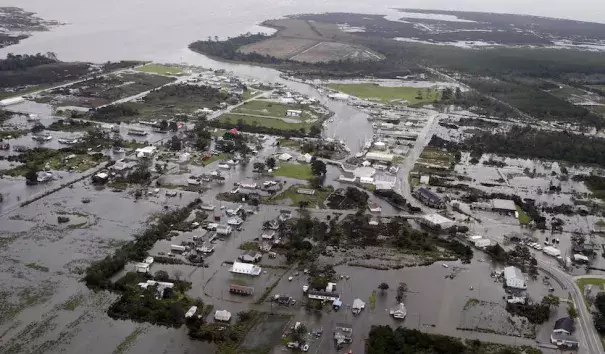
(513,272)
(428,194)
(564,323)
(504,204)
(437,219)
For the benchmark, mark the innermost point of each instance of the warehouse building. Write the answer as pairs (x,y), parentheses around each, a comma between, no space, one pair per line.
(429,198)
(514,278)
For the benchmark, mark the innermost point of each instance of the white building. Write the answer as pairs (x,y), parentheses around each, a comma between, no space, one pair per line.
(322,295)
(379,156)
(224,230)
(142,267)
(305,158)
(482,242)
(514,278)
(222,315)
(366,180)
(268,235)
(399,311)
(285,157)
(436,220)
(191,311)
(293,113)
(245,268)
(358,305)
(146,151)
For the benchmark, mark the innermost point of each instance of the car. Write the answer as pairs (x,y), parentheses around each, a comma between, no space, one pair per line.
(296,274)
(293,345)
(445,265)
(305,348)
(305,288)
(292,302)
(161,254)
(290,278)
(305,271)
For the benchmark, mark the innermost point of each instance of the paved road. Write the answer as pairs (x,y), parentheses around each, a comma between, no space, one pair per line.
(402,185)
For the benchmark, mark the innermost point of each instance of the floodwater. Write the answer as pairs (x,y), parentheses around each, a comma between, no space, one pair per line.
(41,320)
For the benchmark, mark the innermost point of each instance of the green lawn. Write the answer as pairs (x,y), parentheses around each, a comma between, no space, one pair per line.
(388,93)
(582,282)
(160,69)
(297,171)
(315,201)
(524,219)
(269,108)
(274,123)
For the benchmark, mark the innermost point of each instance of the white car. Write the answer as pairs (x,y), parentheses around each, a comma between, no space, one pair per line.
(445,265)
(305,288)
(305,348)
(290,278)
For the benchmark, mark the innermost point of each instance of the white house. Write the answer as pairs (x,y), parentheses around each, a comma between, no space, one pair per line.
(482,242)
(222,315)
(245,268)
(305,158)
(142,267)
(399,311)
(358,305)
(146,151)
(268,235)
(235,221)
(285,157)
(293,113)
(514,278)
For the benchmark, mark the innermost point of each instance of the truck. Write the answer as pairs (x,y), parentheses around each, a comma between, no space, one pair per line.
(178,248)
(551,251)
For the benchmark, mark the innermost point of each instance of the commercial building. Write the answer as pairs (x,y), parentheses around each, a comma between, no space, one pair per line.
(241,289)
(245,268)
(379,156)
(322,295)
(504,206)
(429,198)
(514,278)
(146,151)
(436,221)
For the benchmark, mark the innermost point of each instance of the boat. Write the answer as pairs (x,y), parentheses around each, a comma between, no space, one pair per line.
(68,141)
(138,132)
(42,138)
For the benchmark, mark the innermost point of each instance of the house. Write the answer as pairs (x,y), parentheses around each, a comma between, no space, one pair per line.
(268,235)
(266,247)
(100,178)
(429,198)
(379,156)
(163,288)
(224,230)
(245,268)
(146,151)
(358,305)
(322,295)
(251,256)
(206,249)
(241,289)
(305,158)
(293,113)
(514,278)
(123,165)
(305,191)
(504,206)
(399,312)
(374,207)
(271,225)
(425,179)
(436,221)
(482,242)
(222,315)
(142,267)
(285,157)
(366,180)
(561,334)
(282,299)
(343,333)
(331,287)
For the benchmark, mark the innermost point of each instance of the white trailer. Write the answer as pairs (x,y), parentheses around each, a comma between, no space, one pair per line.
(178,248)
(551,251)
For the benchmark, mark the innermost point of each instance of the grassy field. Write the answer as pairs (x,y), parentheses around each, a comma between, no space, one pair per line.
(387,93)
(270,108)
(524,219)
(160,69)
(291,170)
(437,157)
(315,201)
(262,121)
(582,282)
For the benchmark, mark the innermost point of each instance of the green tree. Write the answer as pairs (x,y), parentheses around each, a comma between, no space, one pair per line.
(571,311)
(31,176)
(161,275)
(314,130)
(318,167)
(163,125)
(402,289)
(173,126)
(175,143)
(383,287)
(551,301)
(270,162)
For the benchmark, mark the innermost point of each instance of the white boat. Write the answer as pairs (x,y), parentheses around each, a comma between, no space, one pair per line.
(42,138)
(33,118)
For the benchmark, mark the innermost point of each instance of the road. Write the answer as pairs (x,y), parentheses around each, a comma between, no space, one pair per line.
(402,185)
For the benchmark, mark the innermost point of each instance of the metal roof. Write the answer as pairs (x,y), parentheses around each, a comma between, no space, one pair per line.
(504,204)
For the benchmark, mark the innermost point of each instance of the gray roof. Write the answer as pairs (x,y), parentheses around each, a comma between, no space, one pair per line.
(429,194)
(504,204)
(564,337)
(357,303)
(513,272)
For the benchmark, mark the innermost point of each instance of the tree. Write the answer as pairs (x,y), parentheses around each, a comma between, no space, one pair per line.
(299,334)
(458,93)
(303,204)
(173,126)
(163,124)
(202,143)
(318,167)
(178,274)
(551,301)
(31,176)
(244,316)
(259,166)
(571,311)
(314,130)
(161,275)
(38,127)
(401,290)
(270,162)
(383,287)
